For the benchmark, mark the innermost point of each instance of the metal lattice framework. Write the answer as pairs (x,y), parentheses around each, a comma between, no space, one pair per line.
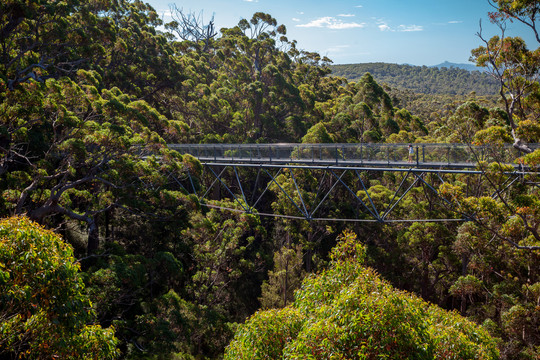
(252,174)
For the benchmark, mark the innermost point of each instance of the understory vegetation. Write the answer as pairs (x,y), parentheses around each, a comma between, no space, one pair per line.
(104,253)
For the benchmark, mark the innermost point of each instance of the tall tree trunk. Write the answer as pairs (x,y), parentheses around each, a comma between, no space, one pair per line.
(93,236)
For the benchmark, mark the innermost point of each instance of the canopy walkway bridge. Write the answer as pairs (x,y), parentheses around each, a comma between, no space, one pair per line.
(251,174)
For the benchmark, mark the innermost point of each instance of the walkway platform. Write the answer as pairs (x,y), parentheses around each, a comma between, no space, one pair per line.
(424,156)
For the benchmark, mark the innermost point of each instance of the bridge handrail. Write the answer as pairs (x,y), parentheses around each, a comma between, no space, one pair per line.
(450,154)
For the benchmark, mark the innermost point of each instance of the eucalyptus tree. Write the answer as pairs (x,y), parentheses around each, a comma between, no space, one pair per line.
(348,312)
(48,39)
(78,152)
(513,64)
(45,312)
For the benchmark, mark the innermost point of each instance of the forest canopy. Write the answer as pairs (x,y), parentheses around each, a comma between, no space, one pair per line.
(348,312)
(91,93)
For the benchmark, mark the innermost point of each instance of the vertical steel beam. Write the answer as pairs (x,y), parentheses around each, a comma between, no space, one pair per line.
(288,196)
(299,194)
(229,190)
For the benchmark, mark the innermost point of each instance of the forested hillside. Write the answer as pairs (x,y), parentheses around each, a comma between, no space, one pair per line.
(422,79)
(105,254)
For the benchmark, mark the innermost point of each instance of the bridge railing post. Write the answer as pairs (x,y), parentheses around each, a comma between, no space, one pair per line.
(390,154)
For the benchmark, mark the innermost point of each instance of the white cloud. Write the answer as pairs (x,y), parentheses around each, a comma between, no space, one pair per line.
(410,28)
(358,6)
(346,15)
(296,19)
(251,1)
(455,22)
(321,22)
(383,26)
(331,23)
(338,48)
(341,26)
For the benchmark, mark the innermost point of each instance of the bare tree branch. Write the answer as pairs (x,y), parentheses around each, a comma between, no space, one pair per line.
(191,27)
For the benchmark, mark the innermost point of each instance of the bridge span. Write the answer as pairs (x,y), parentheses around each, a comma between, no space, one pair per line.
(439,156)
(253,176)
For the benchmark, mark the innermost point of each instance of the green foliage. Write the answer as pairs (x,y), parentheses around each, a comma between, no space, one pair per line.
(44,312)
(317,134)
(466,285)
(371,93)
(496,254)
(513,65)
(529,131)
(422,79)
(91,93)
(245,88)
(286,277)
(494,135)
(225,260)
(348,312)
(101,136)
(467,119)
(41,40)
(158,320)
(266,334)
(532,159)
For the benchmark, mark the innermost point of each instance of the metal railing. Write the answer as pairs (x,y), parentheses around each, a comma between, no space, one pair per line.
(424,155)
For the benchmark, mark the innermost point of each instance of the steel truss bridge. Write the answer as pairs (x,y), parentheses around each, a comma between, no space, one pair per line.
(250,174)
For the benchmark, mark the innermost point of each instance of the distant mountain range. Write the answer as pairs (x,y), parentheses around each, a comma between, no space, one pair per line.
(468,67)
(446,78)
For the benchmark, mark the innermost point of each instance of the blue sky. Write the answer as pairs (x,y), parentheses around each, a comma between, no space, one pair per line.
(418,32)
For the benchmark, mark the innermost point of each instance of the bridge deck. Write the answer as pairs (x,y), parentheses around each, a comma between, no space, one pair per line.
(427,156)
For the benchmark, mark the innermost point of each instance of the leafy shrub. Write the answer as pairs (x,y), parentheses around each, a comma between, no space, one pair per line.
(348,312)
(43,310)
